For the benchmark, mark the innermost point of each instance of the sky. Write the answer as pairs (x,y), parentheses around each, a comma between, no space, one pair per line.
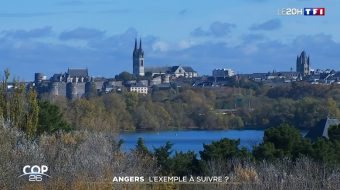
(244,35)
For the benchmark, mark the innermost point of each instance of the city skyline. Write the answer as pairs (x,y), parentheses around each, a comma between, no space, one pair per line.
(247,36)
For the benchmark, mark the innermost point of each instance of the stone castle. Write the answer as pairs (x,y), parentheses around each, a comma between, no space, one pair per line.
(76,83)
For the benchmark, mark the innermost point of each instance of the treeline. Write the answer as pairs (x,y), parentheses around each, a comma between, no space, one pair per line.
(298,104)
(162,110)
(236,105)
(20,108)
(282,142)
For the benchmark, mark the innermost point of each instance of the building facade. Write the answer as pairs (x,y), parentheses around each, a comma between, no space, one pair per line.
(303,64)
(138,60)
(222,73)
(139,88)
(75,83)
(175,71)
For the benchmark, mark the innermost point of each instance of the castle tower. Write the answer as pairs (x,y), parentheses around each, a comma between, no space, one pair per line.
(38,77)
(138,59)
(54,89)
(71,91)
(90,89)
(302,64)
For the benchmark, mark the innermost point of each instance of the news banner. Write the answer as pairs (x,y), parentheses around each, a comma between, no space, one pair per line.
(170,179)
(302,11)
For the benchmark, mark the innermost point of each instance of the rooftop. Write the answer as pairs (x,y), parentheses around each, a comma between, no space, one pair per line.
(78,72)
(321,130)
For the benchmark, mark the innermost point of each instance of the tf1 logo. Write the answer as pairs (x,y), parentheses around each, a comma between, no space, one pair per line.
(314,11)
(35,173)
(304,11)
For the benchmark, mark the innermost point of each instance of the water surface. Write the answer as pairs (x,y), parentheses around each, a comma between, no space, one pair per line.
(190,140)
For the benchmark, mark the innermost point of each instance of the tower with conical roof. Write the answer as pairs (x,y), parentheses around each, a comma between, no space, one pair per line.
(303,64)
(138,59)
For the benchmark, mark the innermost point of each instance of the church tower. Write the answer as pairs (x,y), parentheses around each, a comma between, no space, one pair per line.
(138,59)
(302,64)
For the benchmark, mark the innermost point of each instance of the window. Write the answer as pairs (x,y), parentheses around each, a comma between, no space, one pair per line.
(142,63)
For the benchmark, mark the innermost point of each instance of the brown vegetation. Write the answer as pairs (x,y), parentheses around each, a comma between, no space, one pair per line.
(83,160)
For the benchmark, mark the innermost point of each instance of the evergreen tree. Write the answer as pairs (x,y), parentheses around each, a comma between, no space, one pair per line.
(141,148)
(162,155)
(334,132)
(284,137)
(324,151)
(50,118)
(223,149)
(185,164)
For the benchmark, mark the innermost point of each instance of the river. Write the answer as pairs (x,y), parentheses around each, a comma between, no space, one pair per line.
(190,140)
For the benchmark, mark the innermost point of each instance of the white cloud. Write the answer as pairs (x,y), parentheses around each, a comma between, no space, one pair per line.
(160,46)
(250,49)
(184,44)
(110,55)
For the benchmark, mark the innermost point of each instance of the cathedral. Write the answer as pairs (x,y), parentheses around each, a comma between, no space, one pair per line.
(302,64)
(138,60)
(139,69)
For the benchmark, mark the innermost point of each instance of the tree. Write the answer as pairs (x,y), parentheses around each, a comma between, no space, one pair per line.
(141,148)
(309,111)
(334,132)
(283,137)
(265,151)
(4,96)
(185,164)
(131,100)
(3,102)
(223,149)
(282,141)
(124,76)
(277,92)
(162,155)
(51,119)
(324,151)
(236,122)
(16,105)
(32,116)
(332,108)
(116,107)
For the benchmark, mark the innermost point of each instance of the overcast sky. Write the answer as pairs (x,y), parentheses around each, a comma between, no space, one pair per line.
(245,35)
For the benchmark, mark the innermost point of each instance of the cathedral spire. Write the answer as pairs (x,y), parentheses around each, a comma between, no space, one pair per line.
(138,59)
(140,44)
(303,53)
(135,44)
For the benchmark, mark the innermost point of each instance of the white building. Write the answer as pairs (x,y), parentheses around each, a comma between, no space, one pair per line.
(177,71)
(180,71)
(139,88)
